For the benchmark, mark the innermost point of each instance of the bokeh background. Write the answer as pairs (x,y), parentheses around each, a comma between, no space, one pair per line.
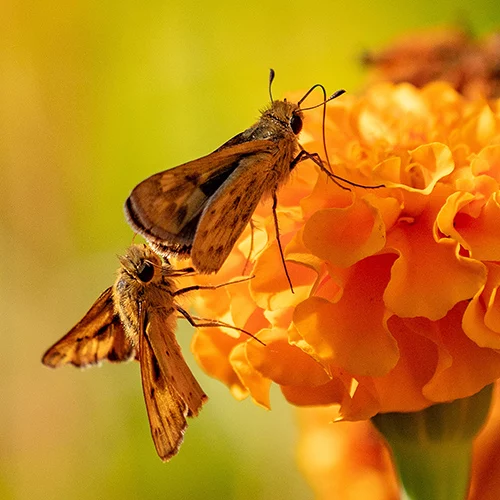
(94,97)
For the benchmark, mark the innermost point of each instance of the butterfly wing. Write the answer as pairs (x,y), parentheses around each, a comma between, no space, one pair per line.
(170,390)
(98,336)
(229,210)
(166,207)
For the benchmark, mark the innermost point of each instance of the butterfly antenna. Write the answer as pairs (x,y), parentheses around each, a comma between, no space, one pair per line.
(272,74)
(323,103)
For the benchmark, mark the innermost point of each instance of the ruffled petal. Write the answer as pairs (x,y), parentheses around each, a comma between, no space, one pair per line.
(361,344)
(343,236)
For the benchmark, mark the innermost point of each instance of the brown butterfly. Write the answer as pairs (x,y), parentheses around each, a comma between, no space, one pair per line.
(201,208)
(136,317)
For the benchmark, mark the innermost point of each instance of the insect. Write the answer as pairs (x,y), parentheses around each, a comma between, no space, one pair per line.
(201,208)
(136,317)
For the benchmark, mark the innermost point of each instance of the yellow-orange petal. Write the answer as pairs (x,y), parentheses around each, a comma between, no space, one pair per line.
(463,368)
(480,128)
(211,348)
(487,162)
(270,288)
(352,333)
(344,460)
(428,164)
(481,321)
(257,385)
(401,389)
(284,363)
(485,480)
(343,236)
(428,278)
(482,233)
(333,392)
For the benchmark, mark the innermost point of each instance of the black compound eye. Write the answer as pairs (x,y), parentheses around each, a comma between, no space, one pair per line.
(146,272)
(296,124)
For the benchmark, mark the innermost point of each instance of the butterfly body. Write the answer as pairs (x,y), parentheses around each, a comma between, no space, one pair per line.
(200,208)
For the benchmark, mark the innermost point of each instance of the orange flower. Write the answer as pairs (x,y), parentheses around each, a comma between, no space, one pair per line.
(352,460)
(470,65)
(395,305)
(345,460)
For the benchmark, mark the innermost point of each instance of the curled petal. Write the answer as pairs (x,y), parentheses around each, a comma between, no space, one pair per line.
(257,385)
(481,321)
(270,288)
(359,343)
(210,347)
(428,164)
(333,392)
(284,363)
(429,278)
(343,236)
(463,368)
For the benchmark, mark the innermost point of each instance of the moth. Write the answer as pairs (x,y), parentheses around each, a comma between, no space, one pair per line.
(136,318)
(199,209)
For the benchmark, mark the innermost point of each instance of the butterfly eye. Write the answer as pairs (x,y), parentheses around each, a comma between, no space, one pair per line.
(146,272)
(296,124)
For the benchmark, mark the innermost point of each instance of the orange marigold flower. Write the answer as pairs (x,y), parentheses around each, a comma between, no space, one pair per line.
(352,460)
(395,305)
(470,65)
(345,460)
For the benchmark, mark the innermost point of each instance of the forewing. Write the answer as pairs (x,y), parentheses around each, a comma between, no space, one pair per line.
(98,336)
(172,364)
(166,401)
(165,208)
(228,212)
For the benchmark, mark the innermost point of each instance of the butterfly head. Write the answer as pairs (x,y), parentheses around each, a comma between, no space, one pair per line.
(287,114)
(142,264)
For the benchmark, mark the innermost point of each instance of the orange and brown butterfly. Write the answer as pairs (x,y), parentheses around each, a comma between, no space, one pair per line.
(200,208)
(136,317)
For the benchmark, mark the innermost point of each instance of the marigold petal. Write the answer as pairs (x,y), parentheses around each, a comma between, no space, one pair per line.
(296,251)
(481,321)
(211,349)
(463,367)
(333,392)
(428,164)
(325,194)
(428,278)
(482,234)
(257,385)
(480,128)
(343,236)
(358,342)
(270,288)
(487,162)
(401,389)
(345,460)
(284,363)
(363,402)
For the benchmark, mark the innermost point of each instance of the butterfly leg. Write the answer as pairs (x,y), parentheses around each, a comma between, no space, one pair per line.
(276,225)
(209,287)
(185,271)
(197,322)
(252,229)
(315,157)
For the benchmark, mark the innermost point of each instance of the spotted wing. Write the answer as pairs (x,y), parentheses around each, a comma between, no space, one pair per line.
(170,390)
(229,210)
(98,336)
(166,207)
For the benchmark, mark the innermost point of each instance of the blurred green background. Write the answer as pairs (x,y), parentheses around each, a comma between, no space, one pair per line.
(94,97)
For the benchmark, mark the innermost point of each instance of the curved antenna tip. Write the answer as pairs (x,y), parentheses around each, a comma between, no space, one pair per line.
(272,74)
(336,94)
